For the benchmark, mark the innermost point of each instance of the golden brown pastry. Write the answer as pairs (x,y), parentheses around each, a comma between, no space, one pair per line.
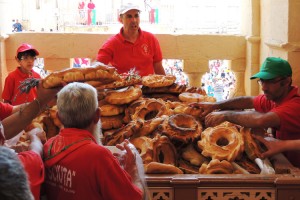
(123,96)
(252,148)
(164,151)
(123,133)
(181,127)
(150,126)
(144,145)
(187,167)
(156,80)
(191,97)
(53,115)
(191,155)
(98,72)
(108,109)
(161,168)
(149,109)
(216,166)
(133,80)
(221,142)
(111,122)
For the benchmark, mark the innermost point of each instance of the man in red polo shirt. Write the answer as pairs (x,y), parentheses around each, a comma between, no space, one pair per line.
(278,108)
(131,47)
(77,165)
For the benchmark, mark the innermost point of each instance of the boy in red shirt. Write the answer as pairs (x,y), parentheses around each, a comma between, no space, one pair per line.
(26,55)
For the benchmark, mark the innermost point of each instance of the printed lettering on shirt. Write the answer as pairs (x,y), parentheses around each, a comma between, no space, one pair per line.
(61,177)
(145,49)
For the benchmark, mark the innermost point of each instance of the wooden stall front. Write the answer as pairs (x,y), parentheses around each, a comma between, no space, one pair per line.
(284,186)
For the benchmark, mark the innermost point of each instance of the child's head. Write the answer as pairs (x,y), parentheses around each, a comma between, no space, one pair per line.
(26,55)
(26,50)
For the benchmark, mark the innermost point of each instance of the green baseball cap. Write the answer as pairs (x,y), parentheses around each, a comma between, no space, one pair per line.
(272,68)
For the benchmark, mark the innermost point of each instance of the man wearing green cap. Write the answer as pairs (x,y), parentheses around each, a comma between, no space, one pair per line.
(278,108)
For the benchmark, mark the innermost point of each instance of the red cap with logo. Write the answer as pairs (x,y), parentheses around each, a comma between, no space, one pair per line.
(26,47)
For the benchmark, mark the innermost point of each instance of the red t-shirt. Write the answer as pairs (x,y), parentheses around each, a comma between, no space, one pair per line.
(288,111)
(124,55)
(11,90)
(5,111)
(84,170)
(34,167)
(91,5)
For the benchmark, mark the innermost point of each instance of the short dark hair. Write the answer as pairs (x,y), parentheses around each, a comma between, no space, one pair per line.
(26,53)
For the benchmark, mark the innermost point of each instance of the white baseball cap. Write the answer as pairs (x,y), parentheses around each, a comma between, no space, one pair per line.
(129,6)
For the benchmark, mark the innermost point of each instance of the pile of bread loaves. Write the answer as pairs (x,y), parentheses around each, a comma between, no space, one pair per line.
(153,112)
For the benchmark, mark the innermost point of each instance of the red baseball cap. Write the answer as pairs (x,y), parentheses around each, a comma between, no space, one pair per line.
(25,47)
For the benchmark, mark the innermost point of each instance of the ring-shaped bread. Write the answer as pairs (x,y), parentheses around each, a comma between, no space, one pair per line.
(150,109)
(108,109)
(123,96)
(216,166)
(181,127)
(161,168)
(164,151)
(144,145)
(191,97)
(157,80)
(222,143)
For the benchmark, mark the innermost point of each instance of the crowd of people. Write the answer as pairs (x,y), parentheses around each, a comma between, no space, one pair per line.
(87,13)
(220,81)
(175,67)
(76,151)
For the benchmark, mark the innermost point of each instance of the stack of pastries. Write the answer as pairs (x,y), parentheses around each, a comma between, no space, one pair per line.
(154,113)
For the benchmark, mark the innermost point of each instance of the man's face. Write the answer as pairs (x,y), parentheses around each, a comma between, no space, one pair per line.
(26,62)
(274,88)
(131,20)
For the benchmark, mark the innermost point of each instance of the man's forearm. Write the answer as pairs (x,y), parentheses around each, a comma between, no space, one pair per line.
(244,102)
(18,121)
(245,118)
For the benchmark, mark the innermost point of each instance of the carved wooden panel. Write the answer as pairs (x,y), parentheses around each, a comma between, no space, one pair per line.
(236,194)
(159,193)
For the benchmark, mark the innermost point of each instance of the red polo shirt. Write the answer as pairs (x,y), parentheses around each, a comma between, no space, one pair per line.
(34,167)
(11,90)
(78,168)
(124,55)
(288,111)
(5,111)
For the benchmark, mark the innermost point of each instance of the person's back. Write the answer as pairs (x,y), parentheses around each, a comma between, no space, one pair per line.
(77,166)
(89,172)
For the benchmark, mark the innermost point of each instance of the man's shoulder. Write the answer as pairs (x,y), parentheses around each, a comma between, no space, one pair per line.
(15,71)
(147,34)
(113,39)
